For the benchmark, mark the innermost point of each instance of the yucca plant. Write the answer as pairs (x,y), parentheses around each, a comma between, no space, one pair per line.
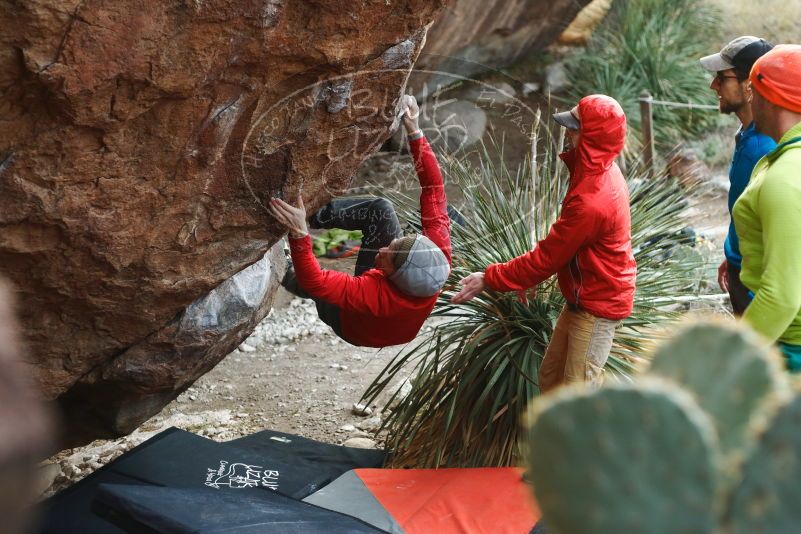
(474,375)
(652,45)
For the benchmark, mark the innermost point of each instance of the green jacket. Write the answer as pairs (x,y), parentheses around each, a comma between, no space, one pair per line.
(767,217)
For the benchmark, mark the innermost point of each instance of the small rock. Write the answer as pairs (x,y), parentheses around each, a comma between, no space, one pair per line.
(347,428)
(556,79)
(530,87)
(689,169)
(404,389)
(244,347)
(453,125)
(372,424)
(192,398)
(720,182)
(45,476)
(401,392)
(361,409)
(360,443)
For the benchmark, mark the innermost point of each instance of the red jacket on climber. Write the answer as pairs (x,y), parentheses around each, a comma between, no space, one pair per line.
(589,246)
(397,279)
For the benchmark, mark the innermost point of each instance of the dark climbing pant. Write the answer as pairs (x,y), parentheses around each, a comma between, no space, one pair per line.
(738,293)
(374,216)
(377,220)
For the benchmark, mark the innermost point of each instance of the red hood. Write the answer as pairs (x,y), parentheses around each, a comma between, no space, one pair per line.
(603,135)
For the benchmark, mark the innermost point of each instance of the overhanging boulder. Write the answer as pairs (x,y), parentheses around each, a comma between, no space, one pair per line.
(139,142)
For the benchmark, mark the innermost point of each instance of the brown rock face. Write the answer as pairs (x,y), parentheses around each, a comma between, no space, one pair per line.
(118,395)
(138,142)
(472,35)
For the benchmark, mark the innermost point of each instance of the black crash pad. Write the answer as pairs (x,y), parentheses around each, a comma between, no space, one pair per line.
(204,511)
(332,460)
(178,459)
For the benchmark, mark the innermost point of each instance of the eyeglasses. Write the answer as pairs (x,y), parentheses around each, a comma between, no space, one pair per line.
(721,78)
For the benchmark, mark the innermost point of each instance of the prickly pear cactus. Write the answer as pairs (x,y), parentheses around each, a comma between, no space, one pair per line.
(769,497)
(734,377)
(627,458)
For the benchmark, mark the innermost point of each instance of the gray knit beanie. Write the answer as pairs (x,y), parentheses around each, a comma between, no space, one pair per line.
(423,267)
(402,249)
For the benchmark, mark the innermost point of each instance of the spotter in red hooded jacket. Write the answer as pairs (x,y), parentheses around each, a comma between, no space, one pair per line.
(589,245)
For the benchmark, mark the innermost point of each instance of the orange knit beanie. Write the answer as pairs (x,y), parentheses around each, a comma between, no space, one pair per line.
(777,76)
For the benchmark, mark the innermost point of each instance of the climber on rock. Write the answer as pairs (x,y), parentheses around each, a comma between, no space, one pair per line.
(397,278)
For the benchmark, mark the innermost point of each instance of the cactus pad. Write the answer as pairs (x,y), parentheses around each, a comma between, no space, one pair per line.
(769,497)
(733,376)
(625,458)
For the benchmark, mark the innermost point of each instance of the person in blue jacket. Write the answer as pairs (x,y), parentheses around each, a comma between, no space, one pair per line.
(731,67)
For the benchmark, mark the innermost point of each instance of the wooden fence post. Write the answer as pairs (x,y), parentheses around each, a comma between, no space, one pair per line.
(647,122)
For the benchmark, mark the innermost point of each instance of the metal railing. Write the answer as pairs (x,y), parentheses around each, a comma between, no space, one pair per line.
(647,104)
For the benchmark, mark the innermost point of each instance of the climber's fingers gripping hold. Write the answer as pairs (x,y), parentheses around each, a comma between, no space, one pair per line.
(411,113)
(294,218)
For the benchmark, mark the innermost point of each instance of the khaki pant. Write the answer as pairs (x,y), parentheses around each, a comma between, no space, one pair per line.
(578,350)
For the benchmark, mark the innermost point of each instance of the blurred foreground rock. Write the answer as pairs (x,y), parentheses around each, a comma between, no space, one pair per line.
(24,426)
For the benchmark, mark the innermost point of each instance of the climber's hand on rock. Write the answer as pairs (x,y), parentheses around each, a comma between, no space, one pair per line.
(290,216)
(411,114)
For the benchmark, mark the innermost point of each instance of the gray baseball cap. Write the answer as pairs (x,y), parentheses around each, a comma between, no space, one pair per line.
(567,119)
(738,54)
